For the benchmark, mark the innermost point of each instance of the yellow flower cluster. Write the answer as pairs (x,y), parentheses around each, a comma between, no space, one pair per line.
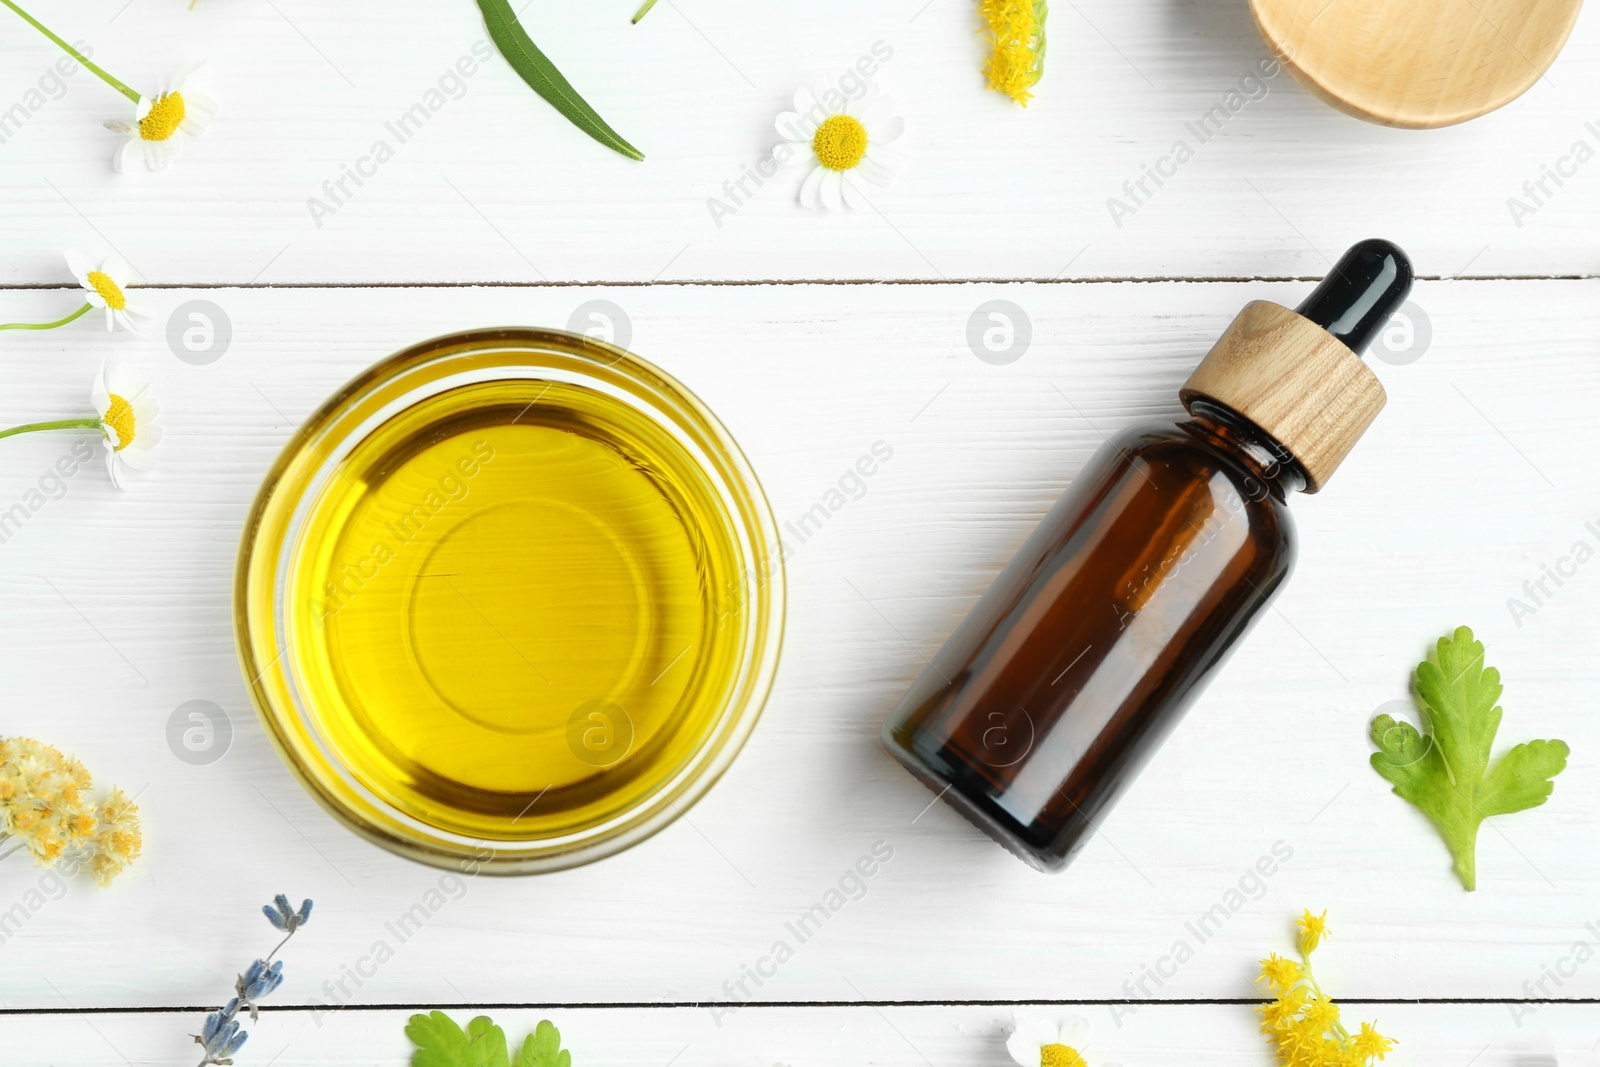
(1016,31)
(1302,1021)
(44,802)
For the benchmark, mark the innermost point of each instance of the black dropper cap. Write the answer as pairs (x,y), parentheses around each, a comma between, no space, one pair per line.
(1356,299)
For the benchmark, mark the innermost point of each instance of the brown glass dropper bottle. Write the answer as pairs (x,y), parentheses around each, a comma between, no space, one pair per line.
(1089,646)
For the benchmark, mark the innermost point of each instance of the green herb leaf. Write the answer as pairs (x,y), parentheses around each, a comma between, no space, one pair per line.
(1445,772)
(543,77)
(441,1043)
(543,1048)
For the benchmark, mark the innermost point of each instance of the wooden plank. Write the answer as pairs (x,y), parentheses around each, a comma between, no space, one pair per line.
(494,185)
(117,611)
(1222,1035)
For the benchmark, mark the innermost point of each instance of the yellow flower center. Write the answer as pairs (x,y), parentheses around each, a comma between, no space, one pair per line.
(1059,1056)
(840,142)
(109,290)
(164,117)
(119,420)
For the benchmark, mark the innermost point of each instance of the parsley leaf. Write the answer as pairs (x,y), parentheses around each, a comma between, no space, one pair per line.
(543,1048)
(441,1043)
(1445,772)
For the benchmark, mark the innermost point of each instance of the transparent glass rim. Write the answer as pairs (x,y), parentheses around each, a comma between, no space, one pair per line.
(359,407)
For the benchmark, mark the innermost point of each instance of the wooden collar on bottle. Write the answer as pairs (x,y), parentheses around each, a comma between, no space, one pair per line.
(1293,379)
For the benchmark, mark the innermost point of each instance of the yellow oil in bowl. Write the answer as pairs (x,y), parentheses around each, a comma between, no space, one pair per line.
(510,599)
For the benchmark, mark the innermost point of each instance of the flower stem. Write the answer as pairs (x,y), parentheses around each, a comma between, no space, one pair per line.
(45,325)
(89,423)
(643,11)
(279,945)
(74,53)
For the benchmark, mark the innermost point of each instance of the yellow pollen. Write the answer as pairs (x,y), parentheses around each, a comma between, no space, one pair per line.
(840,142)
(1060,1056)
(119,418)
(164,117)
(108,289)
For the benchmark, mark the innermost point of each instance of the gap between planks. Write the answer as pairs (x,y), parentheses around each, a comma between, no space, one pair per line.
(674,1005)
(725,282)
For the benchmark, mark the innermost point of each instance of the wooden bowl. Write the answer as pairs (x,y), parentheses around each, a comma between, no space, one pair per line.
(1417,63)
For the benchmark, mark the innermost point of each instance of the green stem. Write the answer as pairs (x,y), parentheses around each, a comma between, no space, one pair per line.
(74,53)
(643,11)
(45,325)
(1305,964)
(92,422)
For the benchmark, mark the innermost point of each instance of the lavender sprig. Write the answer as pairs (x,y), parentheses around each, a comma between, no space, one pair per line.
(222,1034)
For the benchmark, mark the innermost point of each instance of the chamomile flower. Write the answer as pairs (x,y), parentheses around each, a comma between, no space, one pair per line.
(1041,1042)
(127,418)
(162,123)
(107,288)
(844,140)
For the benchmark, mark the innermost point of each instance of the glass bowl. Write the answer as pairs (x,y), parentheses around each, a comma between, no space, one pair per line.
(511,601)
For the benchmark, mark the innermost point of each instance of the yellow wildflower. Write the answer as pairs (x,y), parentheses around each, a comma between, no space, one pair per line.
(1303,1022)
(1369,1044)
(1279,973)
(1016,32)
(1313,929)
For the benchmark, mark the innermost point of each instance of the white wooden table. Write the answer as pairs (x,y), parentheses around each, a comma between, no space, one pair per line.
(815,337)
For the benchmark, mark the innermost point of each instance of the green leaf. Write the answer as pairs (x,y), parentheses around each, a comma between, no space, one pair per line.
(543,1048)
(1445,771)
(441,1043)
(1521,780)
(543,77)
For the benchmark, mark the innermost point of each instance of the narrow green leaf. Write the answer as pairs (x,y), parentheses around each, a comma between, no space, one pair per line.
(543,78)
(643,11)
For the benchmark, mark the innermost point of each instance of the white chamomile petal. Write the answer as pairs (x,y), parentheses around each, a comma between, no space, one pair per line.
(80,266)
(145,408)
(138,459)
(126,155)
(132,319)
(1031,1033)
(810,190)
(889,130)
(876,173)
(788,124)
(1074,1031)
(197,113)
(854,198)
(876,108)
(833,190)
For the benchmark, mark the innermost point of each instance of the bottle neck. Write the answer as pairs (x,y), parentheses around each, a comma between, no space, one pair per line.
(1278,471)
